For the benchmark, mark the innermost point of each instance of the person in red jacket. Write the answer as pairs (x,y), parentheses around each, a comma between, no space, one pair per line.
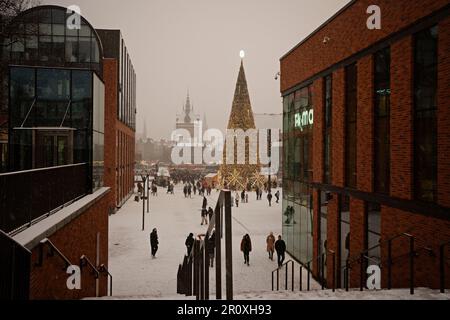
(246,248)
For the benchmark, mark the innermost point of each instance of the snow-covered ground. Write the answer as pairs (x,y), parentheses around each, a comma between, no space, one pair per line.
(403,294)
(137,274)
(139,277)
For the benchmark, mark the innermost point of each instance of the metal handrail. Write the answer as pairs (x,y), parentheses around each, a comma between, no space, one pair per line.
(85,260)
(286,264)
(103,269)
(53,248)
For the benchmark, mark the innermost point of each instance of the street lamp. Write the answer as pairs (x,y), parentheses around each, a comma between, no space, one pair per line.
(144,177)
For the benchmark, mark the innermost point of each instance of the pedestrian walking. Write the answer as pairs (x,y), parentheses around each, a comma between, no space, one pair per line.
(280,248)
(269,198)
(210,214)
(277,196)
(237,201)
(189,243)
(246,198)
(246,248)
(204,216)
(270,241)
(205,203)
(154,242)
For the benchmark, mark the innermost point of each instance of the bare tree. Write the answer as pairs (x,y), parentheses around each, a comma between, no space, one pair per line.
(9,9)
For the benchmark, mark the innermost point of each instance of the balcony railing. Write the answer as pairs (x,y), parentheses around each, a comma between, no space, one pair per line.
(26,197)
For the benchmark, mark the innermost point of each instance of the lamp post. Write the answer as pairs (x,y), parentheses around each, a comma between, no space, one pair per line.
(144,179)
(148,193)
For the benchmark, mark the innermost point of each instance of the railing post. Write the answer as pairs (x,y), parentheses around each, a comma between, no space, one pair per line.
(293,271)
(442,268)
(347,266)
(334,272)
(196,271)
(308,283)
(272,281)
(323,270)
(218,220)
(286,278)
(389,264)
(202,273)
(361,275)
(278,279)
(411,264)
(301,278)
(207,267)
(228,245)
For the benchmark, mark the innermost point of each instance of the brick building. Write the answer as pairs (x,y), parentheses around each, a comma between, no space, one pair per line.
(367,142)
(58,182)
(120,115)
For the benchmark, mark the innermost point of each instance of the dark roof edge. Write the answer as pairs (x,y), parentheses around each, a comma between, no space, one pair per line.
(352,2)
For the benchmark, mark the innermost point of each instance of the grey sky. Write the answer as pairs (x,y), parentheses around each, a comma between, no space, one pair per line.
(178,45)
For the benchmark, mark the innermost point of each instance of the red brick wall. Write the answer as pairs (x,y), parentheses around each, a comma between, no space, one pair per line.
(429,232)
(365,125)
(110,77)
(319,123)
(349,34)
(119,159)
(78,238)
(402,119)
(444,114)
(338,129)
(126,160)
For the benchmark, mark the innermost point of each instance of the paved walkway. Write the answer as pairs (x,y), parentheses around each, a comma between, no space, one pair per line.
(137,274)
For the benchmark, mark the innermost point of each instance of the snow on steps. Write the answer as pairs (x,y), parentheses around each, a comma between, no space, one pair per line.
(397,294)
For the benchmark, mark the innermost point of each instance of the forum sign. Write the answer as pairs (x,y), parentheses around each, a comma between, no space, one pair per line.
(304,119)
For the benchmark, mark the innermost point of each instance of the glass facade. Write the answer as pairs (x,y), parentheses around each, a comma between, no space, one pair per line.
(298,119)
(344,238)
(351,97)
(382,86)
(40,36)
(56,118)
(425,115)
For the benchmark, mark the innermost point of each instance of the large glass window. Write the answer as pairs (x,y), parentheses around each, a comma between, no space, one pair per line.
(55,98)
(344,238)
(425,120)
(327,128)
(297,202)
(323,233)
(351,116)
(382,86)
(41,35)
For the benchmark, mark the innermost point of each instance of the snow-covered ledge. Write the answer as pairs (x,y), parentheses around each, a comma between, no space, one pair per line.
(31,237)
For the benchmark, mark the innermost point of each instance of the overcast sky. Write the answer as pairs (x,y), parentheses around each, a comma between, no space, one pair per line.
(176,45)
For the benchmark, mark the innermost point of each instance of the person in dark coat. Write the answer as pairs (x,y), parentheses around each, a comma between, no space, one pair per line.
(189,243)
(277,196)
(204,216)
(246,248)
(210,214)
(205,203)
(269,198)
(280,248)
(154,242)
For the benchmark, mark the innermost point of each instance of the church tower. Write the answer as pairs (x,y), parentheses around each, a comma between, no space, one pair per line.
(236,176)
